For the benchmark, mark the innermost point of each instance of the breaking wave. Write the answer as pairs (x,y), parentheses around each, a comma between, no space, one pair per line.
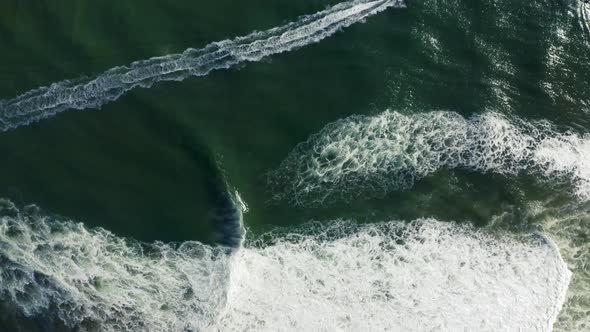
(94,92)
(569,228)
(390,151)
(91,278)
(421,275)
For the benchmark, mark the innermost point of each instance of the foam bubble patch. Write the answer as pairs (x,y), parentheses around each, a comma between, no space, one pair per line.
(423,276)
(93,278)
(391,151)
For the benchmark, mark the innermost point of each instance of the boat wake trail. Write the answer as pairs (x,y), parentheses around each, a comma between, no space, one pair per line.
(94,92)
(390,151)
(421,275)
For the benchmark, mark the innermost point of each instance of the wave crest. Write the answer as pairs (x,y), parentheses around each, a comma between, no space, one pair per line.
(421,275)
(92,277)
(390,151)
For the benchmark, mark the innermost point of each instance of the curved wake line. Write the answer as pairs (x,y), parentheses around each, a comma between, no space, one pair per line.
(94,92)
(416,276)
(391,151)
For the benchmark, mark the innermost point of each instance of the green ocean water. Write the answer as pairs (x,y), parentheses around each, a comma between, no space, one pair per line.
(142,166)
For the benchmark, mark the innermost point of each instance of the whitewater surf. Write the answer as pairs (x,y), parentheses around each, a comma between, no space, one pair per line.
(421,275)
(363,156)
(391,151)
(351,272)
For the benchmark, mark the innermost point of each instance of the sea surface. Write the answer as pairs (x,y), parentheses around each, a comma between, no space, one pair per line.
(308,165)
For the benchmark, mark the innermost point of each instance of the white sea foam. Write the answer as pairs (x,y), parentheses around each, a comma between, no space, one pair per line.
(94,92)
(88,277)
(569,227)
(390,151)
(423,275)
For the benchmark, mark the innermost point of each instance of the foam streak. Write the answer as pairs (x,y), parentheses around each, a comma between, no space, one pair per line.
(94,92)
